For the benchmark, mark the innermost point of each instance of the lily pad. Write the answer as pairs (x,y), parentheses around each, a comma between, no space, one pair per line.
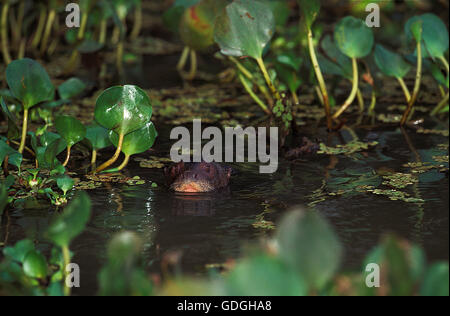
(71,88)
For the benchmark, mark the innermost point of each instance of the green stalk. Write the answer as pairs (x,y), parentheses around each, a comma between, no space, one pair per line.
(21,52)
(253,95)
(82,30)
(24,131)
(183,58)
(66,258)
(48,30)
(319,76)
(103,31)
(360,100)
(4,34)
(416,86)
(67,156)
(241,68)
(267,78)
(119,56)
(40,28)
(445,63)
(354,92)
(137,23)
(440,106)
(20,15)
(193,71)
(295,97)
(94,157)
(122,165)
(114,157)
(405,89)
(373,103)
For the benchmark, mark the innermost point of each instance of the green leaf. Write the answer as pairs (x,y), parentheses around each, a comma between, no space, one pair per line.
(15,158)
(138,141)
(29,82)
(19,251)
(281,11)
(289,77)
(196,27)
(98,137)
(13,130)
(172,16)
(337,57)
(244,28)
(123,109)
(70,129)
(436,282)
(50,153)
(414,29)
(432,30)
(310,10)
(353,37)
(65,227)
(65,183)
(390,63)
(309,245)
(261,275)
(3,198)
(71,88)
(35,265)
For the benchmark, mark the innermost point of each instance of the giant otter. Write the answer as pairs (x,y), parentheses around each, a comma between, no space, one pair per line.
(197,177)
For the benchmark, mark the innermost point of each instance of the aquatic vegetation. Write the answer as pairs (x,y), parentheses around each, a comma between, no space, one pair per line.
(347,149)
(98,138)
(122,109)
(71,130)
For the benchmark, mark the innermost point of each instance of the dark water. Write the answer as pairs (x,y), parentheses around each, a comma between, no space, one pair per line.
(212,228)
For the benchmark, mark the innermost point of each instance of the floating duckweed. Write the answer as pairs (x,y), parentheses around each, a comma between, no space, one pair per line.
(441,159)
(395,195)
(400,180)
(348,149)
(153,162)
(433,132)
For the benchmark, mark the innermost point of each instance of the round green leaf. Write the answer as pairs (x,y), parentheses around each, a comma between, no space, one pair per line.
(35,265)
(432,30)
(353,37)
(19,251)
(197,23)
(390,63)
(244,28)
(309,245)
(123,109)
(70,129)
(137,142)
(310,10)
(65,183)
(98,137)
(71,88)
(29,82)
(65,227)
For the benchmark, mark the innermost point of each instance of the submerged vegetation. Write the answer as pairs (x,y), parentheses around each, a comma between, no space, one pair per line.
(73,120)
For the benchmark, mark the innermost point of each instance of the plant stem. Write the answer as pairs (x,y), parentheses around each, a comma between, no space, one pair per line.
(82,30)
(241,68)
(405,89)
(40,28)
(66,258)
(319,76)
(416,86)
(21,52)
(67,156)
(103,31)
(440,106)
(253,95)
(441,89)
(119,56)
(295,97)
(319,95)
(4,34)
(48,30)
(194,65)
(94,157)
(268,80)
(137,22)
(360,100)
(115,157)
(352,96)
(24,131)
(373,103)
(20,15)
(124,163)
(183,58)
(445,63)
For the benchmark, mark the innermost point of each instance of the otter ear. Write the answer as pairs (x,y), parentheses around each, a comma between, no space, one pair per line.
(229,173)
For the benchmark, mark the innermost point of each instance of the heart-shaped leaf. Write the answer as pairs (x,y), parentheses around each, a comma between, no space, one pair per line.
(244,28)
(19,251)
(70,129)
(29,82)
(309,245)
(353,37)
(196,27)
(390,63)
(65,183)
(137,142)
(123,109)
(310,10)
(71,222)
(432,30)
(35,265)
(71,88)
